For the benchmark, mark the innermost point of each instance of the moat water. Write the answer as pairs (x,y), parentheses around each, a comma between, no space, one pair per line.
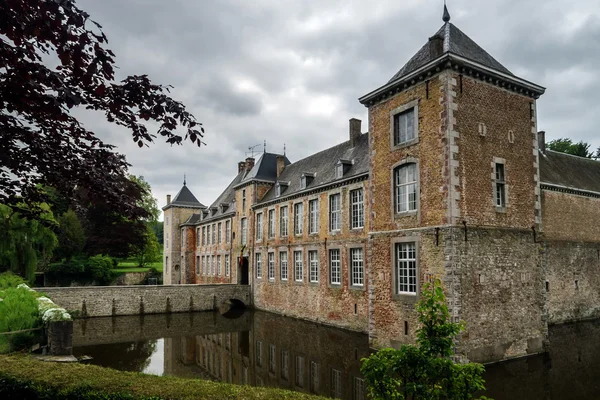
(264,349)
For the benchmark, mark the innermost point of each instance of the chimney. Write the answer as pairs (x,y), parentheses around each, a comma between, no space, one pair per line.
(241,166)
(168,199)
(249,163)
(280,165)
(354,131)
(542,141)
(436,46)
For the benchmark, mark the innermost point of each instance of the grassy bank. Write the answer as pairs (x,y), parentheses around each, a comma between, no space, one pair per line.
(22,377)
(132,266)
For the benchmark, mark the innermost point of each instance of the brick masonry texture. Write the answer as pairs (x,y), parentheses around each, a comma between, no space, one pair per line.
(102,301)
(570,217)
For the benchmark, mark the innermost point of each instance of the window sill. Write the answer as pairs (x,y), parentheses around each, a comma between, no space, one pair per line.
(411,142)
(406,298)
(405,214)
(358,288)
(298,282)
(501,210)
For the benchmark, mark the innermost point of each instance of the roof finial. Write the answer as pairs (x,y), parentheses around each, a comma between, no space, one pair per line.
(265,146)
(183,179)
(284,149)
(446,17)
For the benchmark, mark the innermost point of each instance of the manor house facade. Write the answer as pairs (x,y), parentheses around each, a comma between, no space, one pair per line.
(451,182)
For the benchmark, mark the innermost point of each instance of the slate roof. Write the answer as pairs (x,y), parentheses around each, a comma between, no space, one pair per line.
(265,169)
(569,171)
(322,165)
(193,219)
(226,197)
(185,198)
(456,42)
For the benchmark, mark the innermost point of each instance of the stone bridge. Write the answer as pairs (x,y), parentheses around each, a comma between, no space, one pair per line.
(105,301)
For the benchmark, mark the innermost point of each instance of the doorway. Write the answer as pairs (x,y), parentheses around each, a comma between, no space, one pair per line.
(244,277)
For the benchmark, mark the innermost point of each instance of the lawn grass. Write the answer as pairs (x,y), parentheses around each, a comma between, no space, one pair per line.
(23,375)
(132,266)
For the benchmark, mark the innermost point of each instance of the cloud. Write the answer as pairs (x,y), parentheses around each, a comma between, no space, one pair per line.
(290,72)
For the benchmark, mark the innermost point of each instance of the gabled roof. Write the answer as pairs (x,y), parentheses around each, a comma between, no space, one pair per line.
(226,197)
(265,169)
(322,165)
(192,220)
(569,172)
(185,198)
(453,41)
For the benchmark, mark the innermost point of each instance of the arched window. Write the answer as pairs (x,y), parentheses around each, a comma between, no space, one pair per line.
(405,188)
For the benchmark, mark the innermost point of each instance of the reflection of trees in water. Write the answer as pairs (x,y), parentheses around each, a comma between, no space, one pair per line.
(129,356)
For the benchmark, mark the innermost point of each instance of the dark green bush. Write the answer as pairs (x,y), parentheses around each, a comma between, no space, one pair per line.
(74,268)
(99,268)
(10,280)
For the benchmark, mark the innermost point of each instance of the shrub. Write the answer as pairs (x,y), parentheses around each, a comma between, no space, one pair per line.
(18,311)
(99,268)
(10,280)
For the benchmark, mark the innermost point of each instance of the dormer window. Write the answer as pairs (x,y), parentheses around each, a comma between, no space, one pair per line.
(306,179)
(213,211)
(280,188)
(342,167)
(224,207)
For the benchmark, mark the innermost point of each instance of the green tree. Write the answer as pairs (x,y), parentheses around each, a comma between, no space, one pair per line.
(159,229)
(25,242)
(147,249)
(147,201)
(566,145)
(71,237)
(424,371)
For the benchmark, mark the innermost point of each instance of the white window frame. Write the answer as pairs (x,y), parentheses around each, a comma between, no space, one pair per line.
(204,235)
(404,188)
(298,266)
(244,229)
(219,233)
(335,267)
(336,383)
(258,265)
(214,233)
(298,218)
(303,182)
(227,231)
(219,265)
(405,264)
(357,209)
(406,117)
(313,216)
(197,237)
(284,221)
(315,369)
(271,266)
(283,265)
(339,170)
(227,265)
(313,262)
(197,265)
(299,371)
(259,226)
(243,200)
(357,267)
(335,212)
(500,185)
(271,229)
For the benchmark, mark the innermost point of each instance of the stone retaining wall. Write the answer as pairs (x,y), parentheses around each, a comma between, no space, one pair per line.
(102,301)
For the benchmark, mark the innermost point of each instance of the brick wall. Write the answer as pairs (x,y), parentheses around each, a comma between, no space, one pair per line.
(570,217)
(341,305)
(173,271)
(501,112)
(100,301)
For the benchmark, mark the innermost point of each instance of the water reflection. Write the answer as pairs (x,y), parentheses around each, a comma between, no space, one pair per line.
(269,350)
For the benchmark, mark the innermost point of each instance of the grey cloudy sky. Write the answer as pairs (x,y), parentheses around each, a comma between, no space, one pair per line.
(290,72)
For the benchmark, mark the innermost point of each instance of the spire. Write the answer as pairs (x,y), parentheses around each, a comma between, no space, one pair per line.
(183,179)
(446,17)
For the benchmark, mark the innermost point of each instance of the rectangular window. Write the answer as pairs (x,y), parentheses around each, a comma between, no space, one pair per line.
(406,268)
(258,353)
(167,264)
(197,265)
(244,236)
(404,127)
(219,234)
(358,267)
(298,267)
(335,212)
(258,262)
(313,261)
(359,389)
(313,218)
(298,218)
(335,267)
(214,265)
(314,377)
(218,265)
(500,186)
(183,238)
(272,356)
(283,221)
(339,170)
(203,266)
(244,200)
(285,365)
(227,267)
(197,237)
(299,371)
(203,235)
(405,186)
(357,209)
(259,226)
(227,231)
(214,234)
(271,267)
(271,224)
(283,265)
(336,383)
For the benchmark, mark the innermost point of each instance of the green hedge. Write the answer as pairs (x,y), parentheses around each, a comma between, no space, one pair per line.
(96,269)
(25,378)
